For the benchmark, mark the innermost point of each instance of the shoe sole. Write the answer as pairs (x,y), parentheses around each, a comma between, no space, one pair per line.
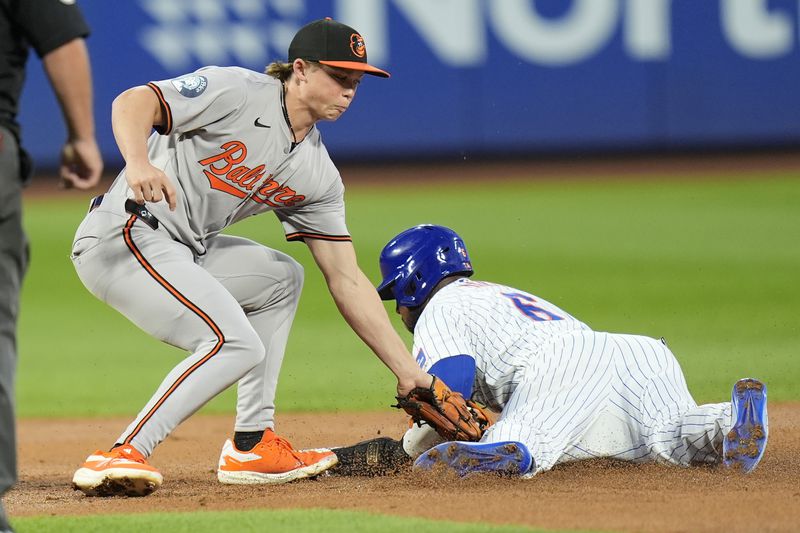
(116,482)
(507,458)
(746,442)
(244,477)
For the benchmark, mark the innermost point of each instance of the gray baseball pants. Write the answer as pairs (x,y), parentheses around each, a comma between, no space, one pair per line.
(231,309)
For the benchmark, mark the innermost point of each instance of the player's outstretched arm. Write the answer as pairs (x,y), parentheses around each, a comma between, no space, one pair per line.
(361,307)
(134,113)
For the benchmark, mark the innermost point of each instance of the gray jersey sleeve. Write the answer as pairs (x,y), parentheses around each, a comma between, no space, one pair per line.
(323,219)
(199,99)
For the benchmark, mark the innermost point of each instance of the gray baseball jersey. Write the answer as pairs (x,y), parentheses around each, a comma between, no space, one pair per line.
(227,147)
(565,391)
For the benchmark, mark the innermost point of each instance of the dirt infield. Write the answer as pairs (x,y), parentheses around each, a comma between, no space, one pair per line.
(601,495)
(598,495)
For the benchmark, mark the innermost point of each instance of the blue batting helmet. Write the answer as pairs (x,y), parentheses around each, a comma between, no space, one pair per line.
(419,258)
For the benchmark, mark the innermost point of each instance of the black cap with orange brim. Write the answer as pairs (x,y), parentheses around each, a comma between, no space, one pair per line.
(332,43)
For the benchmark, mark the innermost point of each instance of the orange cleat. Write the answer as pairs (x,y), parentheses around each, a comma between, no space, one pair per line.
(121,472)
(273,460)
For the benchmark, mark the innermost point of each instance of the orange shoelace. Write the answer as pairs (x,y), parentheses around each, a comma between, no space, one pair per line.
(285,445)
(129,456)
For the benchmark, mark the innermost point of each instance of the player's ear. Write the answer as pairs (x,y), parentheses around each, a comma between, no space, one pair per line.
(300,68)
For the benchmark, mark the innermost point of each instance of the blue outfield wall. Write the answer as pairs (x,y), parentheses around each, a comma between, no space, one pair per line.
(479,76)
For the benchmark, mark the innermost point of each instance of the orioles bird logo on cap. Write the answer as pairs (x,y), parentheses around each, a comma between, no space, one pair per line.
(357,45)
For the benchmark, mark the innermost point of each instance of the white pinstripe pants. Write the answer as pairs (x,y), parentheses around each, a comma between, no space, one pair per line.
(594,394)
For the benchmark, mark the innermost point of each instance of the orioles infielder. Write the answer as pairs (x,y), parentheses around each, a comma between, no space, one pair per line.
(564,391)
(230,143)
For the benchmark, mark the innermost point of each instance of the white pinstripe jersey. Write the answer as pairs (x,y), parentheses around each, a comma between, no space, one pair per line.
(502,328)
(566,392)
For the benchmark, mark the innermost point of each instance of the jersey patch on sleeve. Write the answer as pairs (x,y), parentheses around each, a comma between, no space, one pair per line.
(190,86)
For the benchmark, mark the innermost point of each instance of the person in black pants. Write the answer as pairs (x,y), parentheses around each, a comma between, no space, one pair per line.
(56,31)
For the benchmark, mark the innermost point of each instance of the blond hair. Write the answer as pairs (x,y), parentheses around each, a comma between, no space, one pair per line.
(279,70)
(283,71)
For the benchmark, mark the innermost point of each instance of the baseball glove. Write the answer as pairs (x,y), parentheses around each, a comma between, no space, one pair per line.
(453,417)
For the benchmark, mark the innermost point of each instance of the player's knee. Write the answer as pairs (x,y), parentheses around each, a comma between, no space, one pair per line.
(278,288)
(250,349)
(295,278)
(257,351)
(292,282)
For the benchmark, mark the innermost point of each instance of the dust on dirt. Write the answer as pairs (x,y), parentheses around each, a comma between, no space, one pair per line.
(600,494)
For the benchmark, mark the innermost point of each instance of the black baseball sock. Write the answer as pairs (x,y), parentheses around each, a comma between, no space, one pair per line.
(246,440)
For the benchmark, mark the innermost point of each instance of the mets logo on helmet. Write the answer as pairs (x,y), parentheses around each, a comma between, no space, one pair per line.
(357,45)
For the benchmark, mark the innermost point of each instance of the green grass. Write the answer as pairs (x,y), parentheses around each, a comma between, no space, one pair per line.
(711,265)
(306,520)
